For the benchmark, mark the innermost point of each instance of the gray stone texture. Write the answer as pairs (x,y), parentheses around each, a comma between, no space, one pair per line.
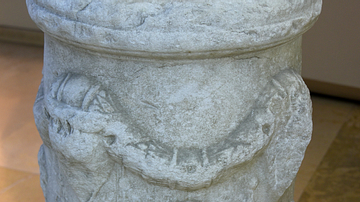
(172,100)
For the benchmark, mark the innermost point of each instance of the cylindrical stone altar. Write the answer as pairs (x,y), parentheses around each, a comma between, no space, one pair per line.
(172,100)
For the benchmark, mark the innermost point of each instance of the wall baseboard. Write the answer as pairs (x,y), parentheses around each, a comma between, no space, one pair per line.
(23,36)
(332,89)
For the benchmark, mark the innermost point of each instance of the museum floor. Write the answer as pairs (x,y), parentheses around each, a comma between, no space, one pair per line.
(330,171)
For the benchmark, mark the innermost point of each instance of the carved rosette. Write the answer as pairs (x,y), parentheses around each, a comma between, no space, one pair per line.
(172,101)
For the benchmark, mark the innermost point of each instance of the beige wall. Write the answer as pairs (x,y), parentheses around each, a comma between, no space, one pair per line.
(13,13)
(331,49)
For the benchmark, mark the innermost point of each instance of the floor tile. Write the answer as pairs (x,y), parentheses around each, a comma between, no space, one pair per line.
(20,75)
(28,190)
(328,117)
(19,150)
(9,177)
(337,179)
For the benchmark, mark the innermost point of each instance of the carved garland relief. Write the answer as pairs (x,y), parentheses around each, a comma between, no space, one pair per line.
(78,106)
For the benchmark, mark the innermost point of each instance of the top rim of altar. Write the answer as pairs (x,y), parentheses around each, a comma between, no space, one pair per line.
(166,28)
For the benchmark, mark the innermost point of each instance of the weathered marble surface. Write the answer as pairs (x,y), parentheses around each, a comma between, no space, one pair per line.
(178,29)
(172,101)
